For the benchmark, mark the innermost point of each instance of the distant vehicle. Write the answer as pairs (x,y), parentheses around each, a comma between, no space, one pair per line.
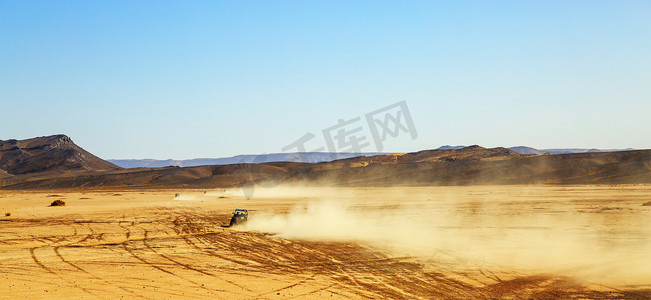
(240,216)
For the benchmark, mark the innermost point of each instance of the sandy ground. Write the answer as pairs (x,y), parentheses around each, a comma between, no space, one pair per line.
(516,242)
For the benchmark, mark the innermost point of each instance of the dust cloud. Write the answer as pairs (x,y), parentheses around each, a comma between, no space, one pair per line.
(186,196)
(524,229)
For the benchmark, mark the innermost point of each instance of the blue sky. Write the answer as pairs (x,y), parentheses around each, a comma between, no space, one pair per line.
(185,79)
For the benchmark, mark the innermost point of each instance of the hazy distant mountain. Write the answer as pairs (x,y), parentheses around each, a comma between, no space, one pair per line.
(529,150)
(308,157)
(574,150)
(526,150)
(448,147)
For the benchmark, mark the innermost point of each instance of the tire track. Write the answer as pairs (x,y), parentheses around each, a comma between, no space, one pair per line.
(56,251)
(289,286)
(280,256)
(202,239)
(88,236)
(127,232)
(316,291)
(38,262)
(191,227)
(51,242)
(351,266)
(58,254)
(189,267)
(47,269)
(185,293)
(157,267)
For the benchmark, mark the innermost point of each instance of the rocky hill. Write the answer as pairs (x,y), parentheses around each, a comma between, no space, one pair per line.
(55,162)
(48,153)
(476,165)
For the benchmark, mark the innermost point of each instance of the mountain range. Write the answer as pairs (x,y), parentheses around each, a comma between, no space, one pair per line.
(55,162)
(310,157)
(307,157)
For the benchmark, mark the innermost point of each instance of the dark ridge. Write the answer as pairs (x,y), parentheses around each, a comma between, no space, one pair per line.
(48,153)
(465,166)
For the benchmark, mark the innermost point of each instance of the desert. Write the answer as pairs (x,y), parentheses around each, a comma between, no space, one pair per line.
(282,149)
(571,242)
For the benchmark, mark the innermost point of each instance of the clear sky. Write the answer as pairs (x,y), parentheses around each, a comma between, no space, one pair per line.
(186,79)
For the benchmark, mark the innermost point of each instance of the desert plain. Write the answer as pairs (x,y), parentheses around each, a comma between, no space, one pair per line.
(455,242)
